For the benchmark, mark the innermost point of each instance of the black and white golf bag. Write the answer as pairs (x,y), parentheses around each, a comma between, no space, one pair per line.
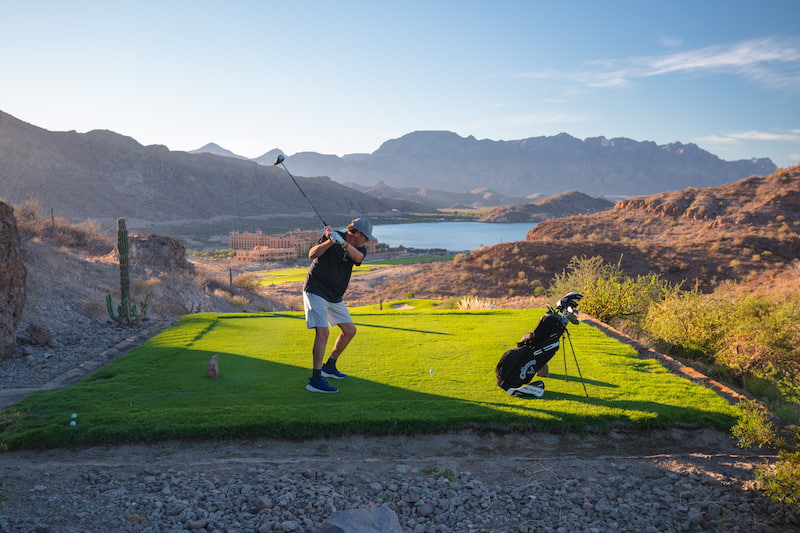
(518,366)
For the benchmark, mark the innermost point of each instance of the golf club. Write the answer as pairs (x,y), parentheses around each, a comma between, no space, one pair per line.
(279,161)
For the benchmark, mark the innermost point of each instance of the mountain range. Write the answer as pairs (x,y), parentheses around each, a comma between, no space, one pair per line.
(102,175)
(527,167)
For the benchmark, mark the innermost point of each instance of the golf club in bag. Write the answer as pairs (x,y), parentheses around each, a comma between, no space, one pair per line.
(518,366)
(279,161)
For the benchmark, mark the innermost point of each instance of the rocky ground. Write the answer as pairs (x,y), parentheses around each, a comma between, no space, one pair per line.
(668,480)
(662,480)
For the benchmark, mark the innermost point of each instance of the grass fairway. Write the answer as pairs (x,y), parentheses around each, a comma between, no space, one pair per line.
(291,275)
(411,371)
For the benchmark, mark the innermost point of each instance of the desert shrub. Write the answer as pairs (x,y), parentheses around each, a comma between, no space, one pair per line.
(781,481)
(761,336)
(472,303)
(95,309)
(608,293)
(753,427)
(749,335)
(449,303)
(686,324)
(459,258)
(240,301)
(498,264)
(246,280)
(86,237)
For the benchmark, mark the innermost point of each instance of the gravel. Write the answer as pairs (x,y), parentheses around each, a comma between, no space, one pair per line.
(263,485)
(71,346)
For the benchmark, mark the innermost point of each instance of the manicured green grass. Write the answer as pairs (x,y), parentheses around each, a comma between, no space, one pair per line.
(290,275)
(411,371)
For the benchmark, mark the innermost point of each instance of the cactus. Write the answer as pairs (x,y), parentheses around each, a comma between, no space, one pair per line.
(126,310)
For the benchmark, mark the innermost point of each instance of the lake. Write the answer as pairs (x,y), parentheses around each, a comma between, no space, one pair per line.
(452,236)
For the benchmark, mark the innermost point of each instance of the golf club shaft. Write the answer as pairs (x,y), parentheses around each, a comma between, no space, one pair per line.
(304,194)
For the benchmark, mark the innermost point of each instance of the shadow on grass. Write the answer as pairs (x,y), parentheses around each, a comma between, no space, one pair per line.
(576,379)
(640,413)
(359,324)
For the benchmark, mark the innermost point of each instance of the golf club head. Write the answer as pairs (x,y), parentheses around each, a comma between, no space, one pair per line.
(569,301)
(279,159)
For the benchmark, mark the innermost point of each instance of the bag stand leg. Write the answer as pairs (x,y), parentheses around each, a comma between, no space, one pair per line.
(576,362)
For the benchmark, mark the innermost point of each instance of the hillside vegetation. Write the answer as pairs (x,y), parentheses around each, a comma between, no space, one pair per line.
(747,232)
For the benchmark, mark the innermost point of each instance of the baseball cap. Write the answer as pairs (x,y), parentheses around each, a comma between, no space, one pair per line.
(364,226)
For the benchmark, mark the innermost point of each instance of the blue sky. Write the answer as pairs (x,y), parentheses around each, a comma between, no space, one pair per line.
(341,77)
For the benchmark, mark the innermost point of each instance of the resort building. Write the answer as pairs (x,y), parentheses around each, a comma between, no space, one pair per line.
(258,247)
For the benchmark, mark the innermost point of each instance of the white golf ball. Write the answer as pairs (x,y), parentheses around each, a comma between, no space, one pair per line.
(73,415)
(430,371)
(72,423)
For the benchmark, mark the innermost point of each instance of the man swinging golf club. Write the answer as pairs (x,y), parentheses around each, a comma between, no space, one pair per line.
(333,258)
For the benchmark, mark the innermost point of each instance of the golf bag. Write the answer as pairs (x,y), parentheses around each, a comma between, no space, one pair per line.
(519,365)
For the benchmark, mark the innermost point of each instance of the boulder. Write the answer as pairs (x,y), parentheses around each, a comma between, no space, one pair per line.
(39,335)
(12,281)
(379,520)
(159,252)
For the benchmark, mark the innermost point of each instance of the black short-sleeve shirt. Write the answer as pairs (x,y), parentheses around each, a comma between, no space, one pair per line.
(329,274)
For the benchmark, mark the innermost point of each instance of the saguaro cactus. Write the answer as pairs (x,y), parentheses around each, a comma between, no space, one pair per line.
(126,310)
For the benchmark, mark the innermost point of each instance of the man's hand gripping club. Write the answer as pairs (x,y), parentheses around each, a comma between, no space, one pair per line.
(334,235)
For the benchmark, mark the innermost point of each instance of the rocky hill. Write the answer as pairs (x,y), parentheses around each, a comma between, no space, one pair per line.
(747,231)
(560,205)
(101,175)
(535,166)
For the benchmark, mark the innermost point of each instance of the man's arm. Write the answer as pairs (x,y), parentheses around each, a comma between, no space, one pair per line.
(319,249)
(353,252)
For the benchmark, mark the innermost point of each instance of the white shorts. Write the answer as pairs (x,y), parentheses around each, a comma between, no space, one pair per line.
(320,312)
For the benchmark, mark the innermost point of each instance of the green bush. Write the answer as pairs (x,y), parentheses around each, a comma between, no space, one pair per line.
(749,335)
(608,293)
(781,481)
(753,427)
(762,337)
(688,324)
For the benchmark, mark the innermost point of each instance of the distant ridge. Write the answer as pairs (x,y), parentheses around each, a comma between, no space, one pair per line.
(595,166)
(213,148)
